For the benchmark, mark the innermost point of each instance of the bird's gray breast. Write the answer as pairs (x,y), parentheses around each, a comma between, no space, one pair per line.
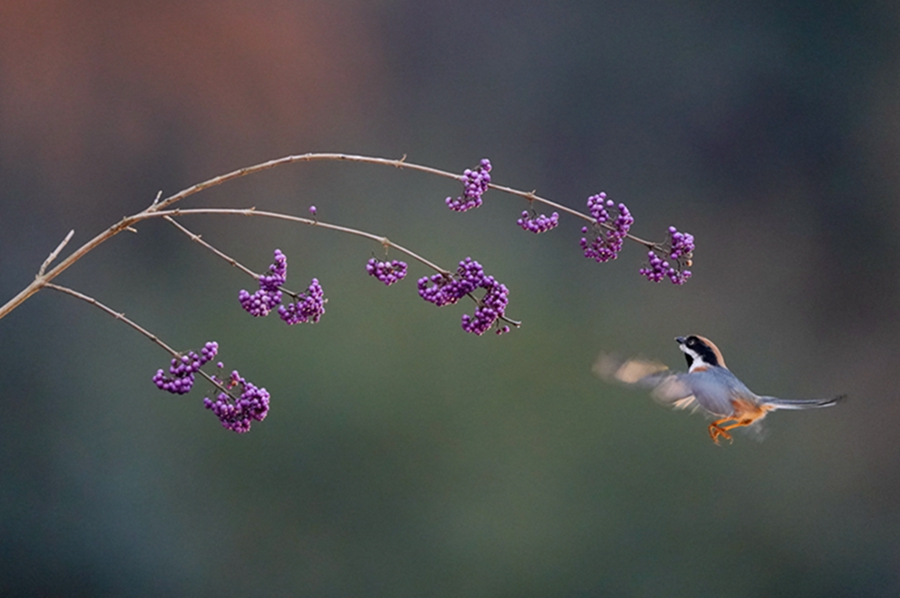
(716,388)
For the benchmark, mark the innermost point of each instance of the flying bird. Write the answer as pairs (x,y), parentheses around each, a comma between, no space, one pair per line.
(708,385)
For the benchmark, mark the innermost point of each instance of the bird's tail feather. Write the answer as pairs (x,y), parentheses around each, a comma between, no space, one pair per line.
(802,403)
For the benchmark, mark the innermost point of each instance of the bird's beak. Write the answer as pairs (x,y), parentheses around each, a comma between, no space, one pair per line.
(680,340)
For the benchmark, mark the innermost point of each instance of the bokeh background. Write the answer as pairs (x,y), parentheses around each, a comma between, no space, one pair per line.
(401,456)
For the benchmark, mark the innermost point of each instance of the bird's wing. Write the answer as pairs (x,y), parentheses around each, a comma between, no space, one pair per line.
(667,387)
(613,368)
(674,391)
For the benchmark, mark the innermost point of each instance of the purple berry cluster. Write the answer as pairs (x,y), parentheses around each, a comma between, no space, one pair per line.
(682,245)
(608,233)
(490,308)
(438,289)
(679,251)
(443,290)
(308,307)
(183,370)
(236,414)
(656,268)
(476,183)
(268,296)
(538,224)
(386,272)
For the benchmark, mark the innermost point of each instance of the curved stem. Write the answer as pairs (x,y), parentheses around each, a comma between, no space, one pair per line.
(168,214)
(159,206)
(309,157)
(117,315)
(531,196)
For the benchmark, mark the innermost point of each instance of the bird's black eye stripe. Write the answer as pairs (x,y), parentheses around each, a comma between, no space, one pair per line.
(706,353)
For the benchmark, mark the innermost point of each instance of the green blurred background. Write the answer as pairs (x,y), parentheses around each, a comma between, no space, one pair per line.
(401,456)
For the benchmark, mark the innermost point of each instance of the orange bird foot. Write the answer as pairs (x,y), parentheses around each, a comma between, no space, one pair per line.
(715,431)
(745,414)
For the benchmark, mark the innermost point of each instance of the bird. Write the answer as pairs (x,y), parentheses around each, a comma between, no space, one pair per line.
(708,385)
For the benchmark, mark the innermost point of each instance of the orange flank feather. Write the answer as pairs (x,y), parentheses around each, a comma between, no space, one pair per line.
(746,413)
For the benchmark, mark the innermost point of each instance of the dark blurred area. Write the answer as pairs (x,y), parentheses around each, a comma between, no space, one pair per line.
(401,456)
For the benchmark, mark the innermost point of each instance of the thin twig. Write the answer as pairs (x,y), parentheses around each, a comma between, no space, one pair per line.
(196,238)
(55,252)
(121,317)
(279,216)
(531,196)
(117,315)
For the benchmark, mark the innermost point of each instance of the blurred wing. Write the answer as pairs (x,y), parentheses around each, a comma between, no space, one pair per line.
(667,387)
(632,371)
(674,392)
